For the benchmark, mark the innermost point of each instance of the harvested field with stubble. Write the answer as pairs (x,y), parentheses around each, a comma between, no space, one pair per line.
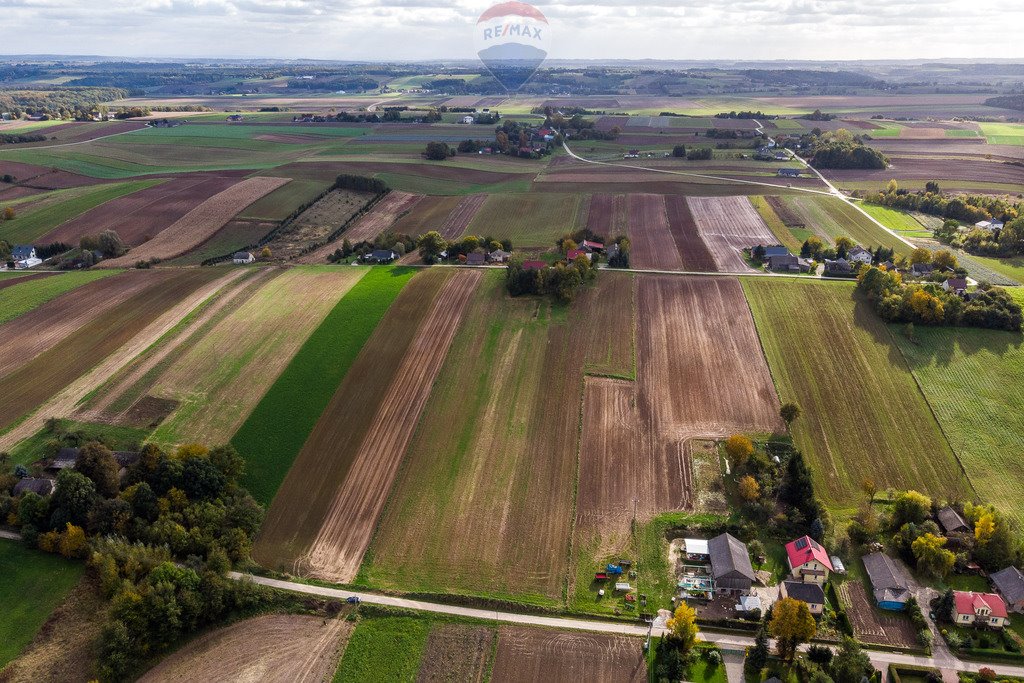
(607,214)
(692,249)
(649,233)
(430,213)
(200,224)
(97,335)
(289,648)
(536,654)
(338,549)
(460,218)
(335,446)
(531,219)
(863,414)
(378,219)
(493,460)
(142,215)
(728,225)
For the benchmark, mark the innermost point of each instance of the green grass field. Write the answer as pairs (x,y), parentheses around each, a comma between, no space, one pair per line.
(303,389)
(32,584)
(28,227)
(188,133)
(971,379)
(887,130)
(384,649)
(117,438)
(1012,268)
(833,218)
(534,220)
(785,236)
(283,201)
(22,297)
(863,414)
(1003,133)
(961,133)
(896,220)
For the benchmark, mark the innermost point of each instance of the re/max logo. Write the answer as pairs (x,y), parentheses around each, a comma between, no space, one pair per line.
(504,30)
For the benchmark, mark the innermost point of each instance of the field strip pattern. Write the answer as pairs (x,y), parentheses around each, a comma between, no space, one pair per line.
(338,550)
(381,217)
(199,224)
(105,345)
(649,234)
(692,250)
(282,648)
(459,219)
(532,654)
(728,225)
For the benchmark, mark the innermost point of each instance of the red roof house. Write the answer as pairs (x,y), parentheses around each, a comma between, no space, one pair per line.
(573,253)
(592,246)
(808,560)
(981,609)
(534,265)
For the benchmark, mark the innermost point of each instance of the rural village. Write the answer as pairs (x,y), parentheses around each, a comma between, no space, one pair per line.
(377,372)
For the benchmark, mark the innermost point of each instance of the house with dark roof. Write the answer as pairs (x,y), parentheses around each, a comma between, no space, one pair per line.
(242,257)
(730,564)
(921,269)
(381,256)
(951,521)
(787,263)
(979,609)
(771,250)
(499,256)
(860,255)
(955,285)
(888,582)
(808,561)
(1009,583)
(67,457)
(839,266)
(37,485)
(22,252)
(788,172)
(476,258)
(811,593)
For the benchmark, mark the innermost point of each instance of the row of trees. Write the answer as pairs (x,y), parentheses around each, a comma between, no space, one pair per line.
(692,154)
(842,149)
(13,139)
(966,208)
(928,304)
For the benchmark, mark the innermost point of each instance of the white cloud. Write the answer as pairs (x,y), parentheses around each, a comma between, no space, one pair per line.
(591,29)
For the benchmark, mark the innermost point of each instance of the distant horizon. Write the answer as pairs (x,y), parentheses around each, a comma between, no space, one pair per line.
(420,30)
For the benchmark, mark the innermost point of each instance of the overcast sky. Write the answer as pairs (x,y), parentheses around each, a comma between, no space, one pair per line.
(438,29)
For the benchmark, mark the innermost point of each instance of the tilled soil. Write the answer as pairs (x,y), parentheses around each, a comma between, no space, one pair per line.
(533,654)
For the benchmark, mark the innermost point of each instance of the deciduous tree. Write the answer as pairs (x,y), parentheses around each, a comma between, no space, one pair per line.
(931,555)
(749,488)
(789,412)
(739,449)
(682,627)
(791,625)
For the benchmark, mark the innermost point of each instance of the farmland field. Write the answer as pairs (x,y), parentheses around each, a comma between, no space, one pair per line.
(32,584)
(830,218)
(280,203)
(968,376)
(429,213)
(306,385)
(863,414)
(649,234)
(273,647)
(898,221)
(728,225)
(21,297)
(775,224)
(532,654)
(384,649)
(29,226)
(530,220)
(1003,133)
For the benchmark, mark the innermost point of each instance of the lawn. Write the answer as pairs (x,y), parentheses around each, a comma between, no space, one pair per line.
(1012,268)
(971,379)
(384,649)
(1003,133)
(887,130)
(32,584)
(306,385)
(24,296)
(532,219)
(29,226)
(115,437)
(863,414)
(896,220)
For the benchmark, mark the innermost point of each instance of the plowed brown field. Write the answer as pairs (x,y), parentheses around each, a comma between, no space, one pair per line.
(338,550)
(692,250)
(728,225)
(308,492)
(607,214)
(649,234)
(275,647)
(459,219)
(456,652)
(429,214)
(534,654)
(44,177)
(199,224)
(142,215)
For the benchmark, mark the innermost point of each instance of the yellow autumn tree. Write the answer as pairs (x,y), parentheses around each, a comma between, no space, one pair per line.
(73,542)
(739,449)
(985,528)
(749,489)
(682,627)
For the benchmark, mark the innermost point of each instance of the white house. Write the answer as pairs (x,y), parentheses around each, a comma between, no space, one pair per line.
(468,119)
(808,560)
(989,225)
(981,609)
(859,254)
(242,257)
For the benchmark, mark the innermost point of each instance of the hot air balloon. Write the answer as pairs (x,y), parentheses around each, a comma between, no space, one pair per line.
(512,40)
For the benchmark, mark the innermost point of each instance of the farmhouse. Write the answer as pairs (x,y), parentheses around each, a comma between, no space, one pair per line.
(788,172)
(811,593)
(23,252)
(573,253)
(888,583)
(476,258)
(787,263)
(808,560)
(956,285)
(951,521)
(989,225)
(235,117)
(839,266)
(589,246)
(468,119)
(730,564)
(1009,583)
(36,485)
(499,256)
(66,458)
(242,257)
(534,265)
(860,255)
(921,269)
(632,154)
(979,609)
(381,256)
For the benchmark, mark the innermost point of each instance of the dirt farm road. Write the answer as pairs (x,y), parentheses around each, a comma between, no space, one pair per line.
(728,642)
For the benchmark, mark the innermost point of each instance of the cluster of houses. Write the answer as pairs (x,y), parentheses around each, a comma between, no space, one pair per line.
(778,259)
(991,225)
(65,460)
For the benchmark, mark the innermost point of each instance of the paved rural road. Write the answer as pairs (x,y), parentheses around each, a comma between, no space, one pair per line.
(724,641)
